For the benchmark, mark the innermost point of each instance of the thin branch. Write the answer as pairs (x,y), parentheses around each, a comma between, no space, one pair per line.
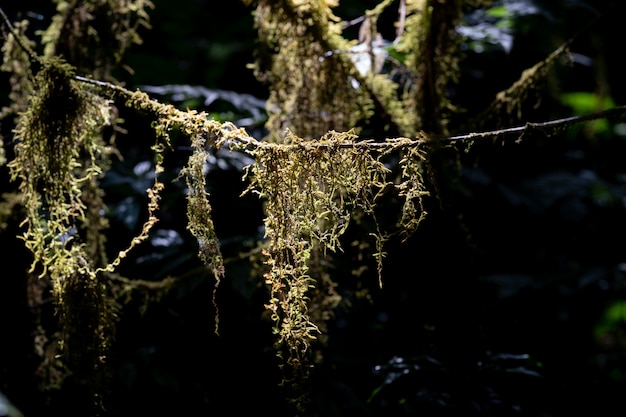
(234,134)
(239,135)
(33,57)
(551,125)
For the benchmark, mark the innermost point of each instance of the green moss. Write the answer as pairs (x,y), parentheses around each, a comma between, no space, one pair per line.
(313,172)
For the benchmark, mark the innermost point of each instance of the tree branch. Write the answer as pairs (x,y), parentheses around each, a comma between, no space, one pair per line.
(32,56)
(237,134)
(551,125)
(248,141)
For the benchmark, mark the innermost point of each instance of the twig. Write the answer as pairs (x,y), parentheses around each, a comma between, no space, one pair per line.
(248,141)
(34,59)
(549,125)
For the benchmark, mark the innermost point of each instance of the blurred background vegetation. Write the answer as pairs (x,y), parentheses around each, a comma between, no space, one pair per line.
(510,299)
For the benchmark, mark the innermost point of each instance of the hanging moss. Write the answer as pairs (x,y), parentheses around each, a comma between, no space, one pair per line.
(58,153)
(199,211)
(311,190)
(297,66)
(60,126)
(507,106)
(314,173)
(94,35)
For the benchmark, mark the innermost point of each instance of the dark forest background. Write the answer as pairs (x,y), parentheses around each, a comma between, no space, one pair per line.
(509,300)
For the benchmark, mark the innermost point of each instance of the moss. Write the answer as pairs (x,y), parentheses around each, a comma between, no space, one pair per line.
(314,172)
(58,156)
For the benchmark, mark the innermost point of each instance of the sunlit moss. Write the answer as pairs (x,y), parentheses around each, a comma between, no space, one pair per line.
(507,106)
(311,93)
(199,209)
(59,155)
(313,172)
